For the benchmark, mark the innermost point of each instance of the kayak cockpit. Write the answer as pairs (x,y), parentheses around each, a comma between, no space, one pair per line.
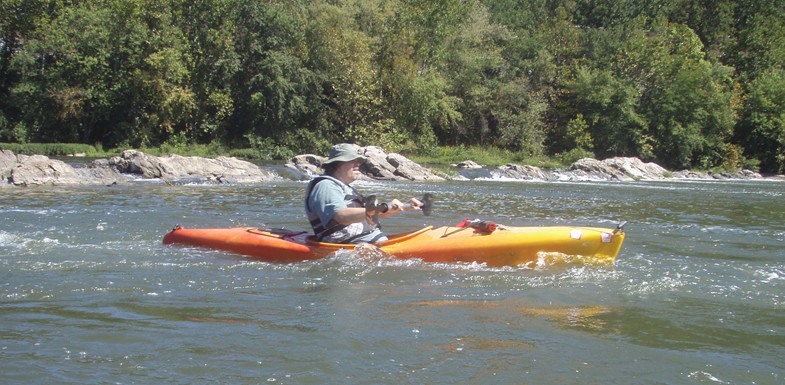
(393,239)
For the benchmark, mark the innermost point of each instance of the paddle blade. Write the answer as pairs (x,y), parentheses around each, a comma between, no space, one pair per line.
(372,204)
(427,204)
(372,208)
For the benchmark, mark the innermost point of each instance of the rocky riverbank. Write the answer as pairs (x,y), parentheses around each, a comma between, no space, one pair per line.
(130,166)
(133,166)
(612,169)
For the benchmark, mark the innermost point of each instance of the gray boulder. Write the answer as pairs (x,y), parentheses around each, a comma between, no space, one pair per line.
(26,170)
(741,174)
(40,170)
(308,164)
(618,169)
(522,172)
(748,174)
(688,174)
(7,164)
(34,170)
(175,167)
(407,169)
(379,165)
(467,164)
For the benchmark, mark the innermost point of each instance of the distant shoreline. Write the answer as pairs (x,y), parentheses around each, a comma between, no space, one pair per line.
(133,166)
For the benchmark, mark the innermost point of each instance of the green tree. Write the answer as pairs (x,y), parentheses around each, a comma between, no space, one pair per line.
(162,80)
(761,37)
(412,51)
(18,21)
(344,57)
(208,27)
(713,21)
(609,108)
(665,80)
(474,64)
(521,118)
(274,92)
(64,73)
(762,127)
(432,23)
(108,71)
(686,100)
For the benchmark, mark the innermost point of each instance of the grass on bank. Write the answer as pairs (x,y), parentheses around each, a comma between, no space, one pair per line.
(491,157)
(443,156)
(54,149)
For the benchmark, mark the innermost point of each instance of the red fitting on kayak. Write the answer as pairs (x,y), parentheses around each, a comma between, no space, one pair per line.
(484,226)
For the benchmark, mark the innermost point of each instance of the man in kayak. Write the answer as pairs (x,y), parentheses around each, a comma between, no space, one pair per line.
(336,210)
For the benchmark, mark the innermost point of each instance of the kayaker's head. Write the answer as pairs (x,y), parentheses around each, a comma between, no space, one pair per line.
(343,162)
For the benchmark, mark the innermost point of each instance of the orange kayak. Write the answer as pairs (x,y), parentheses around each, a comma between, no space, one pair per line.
(500,246)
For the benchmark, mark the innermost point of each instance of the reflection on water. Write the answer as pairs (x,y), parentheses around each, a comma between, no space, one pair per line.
(568,317)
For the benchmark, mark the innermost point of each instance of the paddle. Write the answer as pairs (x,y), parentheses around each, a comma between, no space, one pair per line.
(373,205)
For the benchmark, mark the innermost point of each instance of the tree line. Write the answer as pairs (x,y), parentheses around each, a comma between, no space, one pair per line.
(684,83)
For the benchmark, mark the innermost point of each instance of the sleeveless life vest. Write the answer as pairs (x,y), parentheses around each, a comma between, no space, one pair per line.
(352,197)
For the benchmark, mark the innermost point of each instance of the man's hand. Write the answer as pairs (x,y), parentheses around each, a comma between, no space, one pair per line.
(396,205)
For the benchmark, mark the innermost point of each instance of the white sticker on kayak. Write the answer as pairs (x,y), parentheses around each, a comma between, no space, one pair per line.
(606,237)
(576,234)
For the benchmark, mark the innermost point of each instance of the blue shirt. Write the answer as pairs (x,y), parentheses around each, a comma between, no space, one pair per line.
(325,196)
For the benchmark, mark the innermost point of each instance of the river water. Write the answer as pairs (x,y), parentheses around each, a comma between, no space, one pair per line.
(91,296)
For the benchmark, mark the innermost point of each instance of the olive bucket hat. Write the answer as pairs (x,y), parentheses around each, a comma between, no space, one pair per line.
(343,152)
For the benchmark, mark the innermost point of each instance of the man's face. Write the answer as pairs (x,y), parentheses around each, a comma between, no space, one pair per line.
(348,172)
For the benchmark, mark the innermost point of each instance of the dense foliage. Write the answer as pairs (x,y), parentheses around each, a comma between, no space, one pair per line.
(685,83)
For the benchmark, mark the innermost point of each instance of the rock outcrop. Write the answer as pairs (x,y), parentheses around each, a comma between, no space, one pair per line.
(36,170)
(618,169)
(409,170)
(132,165)
(742,174)
(521,172)
(587,169)
(7,163)
(174,167)
(612,169)
(308,164)
(468,164)
(379,165)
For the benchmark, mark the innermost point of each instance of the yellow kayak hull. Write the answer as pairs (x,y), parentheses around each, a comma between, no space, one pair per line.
(506,246)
